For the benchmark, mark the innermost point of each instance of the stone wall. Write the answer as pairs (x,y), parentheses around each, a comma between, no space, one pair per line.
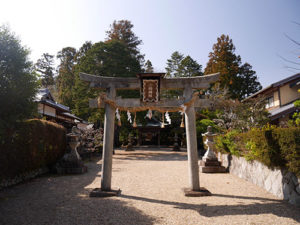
(23,177)
(283,184)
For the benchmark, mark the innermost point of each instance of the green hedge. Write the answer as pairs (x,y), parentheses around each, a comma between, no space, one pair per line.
(274,147)
(34,144)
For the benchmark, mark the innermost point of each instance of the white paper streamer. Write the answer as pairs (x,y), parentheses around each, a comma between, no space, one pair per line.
(129,117)
(168,117)
(118,115)
(149,114)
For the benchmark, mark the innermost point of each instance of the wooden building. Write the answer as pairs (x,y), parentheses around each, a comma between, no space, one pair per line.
(280,98)
(149,134)
(53,111)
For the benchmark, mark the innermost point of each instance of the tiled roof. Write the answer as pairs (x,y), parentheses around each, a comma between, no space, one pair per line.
(276,113)
(44,96)
(295,77)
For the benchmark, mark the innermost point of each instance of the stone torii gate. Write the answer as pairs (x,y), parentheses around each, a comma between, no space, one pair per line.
(187,84)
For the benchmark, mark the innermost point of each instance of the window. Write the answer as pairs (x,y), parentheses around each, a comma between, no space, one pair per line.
(269,102)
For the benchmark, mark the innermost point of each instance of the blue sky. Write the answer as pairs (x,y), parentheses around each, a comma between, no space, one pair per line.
(257,27)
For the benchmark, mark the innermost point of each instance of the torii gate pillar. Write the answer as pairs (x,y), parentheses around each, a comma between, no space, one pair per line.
(191,142)
(108,142)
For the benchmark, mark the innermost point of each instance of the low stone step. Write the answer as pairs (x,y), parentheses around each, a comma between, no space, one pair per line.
(212,169)
(210,163)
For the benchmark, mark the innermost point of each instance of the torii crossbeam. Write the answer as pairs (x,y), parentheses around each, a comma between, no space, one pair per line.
(187,84)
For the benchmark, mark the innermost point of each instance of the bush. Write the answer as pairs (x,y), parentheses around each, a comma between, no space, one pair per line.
(34,144)
(18,85)
(201,128)
(274,147)
(227,143)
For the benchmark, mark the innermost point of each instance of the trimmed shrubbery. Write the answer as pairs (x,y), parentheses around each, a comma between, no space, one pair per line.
(34,144)
(274,147)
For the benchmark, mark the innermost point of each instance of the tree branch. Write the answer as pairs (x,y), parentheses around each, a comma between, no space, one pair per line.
(288,60)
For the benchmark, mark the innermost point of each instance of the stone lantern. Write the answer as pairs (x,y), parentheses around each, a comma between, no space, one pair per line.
(209,162)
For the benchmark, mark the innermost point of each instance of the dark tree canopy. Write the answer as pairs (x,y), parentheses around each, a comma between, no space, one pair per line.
(112,59)
(18,85)
(173,64)
(248,81)
(82,51)
(45,68)
(148,67)
(122,31)
(190,67)
(224,60)
(180,66)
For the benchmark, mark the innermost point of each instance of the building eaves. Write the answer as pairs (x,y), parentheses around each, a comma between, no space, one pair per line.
(277,113)
(274,85)
(55,105)
(71,116)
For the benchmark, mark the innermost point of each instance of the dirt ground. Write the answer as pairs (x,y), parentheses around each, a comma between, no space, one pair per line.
(151,181)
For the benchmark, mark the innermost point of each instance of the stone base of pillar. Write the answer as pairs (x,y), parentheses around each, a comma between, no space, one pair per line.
(99,193)
(202,192)
(211,166)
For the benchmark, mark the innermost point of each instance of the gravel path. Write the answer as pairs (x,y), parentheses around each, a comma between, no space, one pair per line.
(151,183)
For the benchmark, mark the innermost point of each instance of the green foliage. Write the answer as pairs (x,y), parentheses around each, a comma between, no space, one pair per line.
(227,143)
(240,81)
(190,68)
(148,67)
(34,144)
(247,81)
(18,84)
(296,115)
(45,68)
(121,31)
(180,66)
(201,128)
(66,76)
(201,125)
(274,147)
(111,58)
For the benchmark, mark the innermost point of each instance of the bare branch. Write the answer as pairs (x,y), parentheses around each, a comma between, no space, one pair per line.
(291,39)
(288,60)
(295,22)
(288,67)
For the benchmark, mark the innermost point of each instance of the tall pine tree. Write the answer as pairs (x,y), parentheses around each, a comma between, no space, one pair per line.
(45,68)
(148,68)
(190,68)
(248,81)
(66,76)
(180,66)
(173,65)
(233,78)
(122,31)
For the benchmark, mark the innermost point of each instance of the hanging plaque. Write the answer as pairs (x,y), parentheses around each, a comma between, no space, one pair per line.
(150,86)
(150,91)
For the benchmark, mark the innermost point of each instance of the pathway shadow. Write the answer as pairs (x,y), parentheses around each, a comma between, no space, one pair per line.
(158,155)
(270,206)
(65,200)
